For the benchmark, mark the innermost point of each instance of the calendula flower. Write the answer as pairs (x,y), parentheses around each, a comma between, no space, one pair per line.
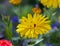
(5,43)
(15,2)
(51,3)
(36,10)
(32,26)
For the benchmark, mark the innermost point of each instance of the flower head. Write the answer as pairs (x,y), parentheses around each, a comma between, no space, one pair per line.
(32,26)
(51,3)
(55,25)
(49,44)
(14,19)
(36,10)
(5,43)
(15,2)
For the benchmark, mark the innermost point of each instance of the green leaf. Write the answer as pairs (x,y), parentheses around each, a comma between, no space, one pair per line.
(46,12)
(37,41)
(22,10)
(15,38)
(7,33)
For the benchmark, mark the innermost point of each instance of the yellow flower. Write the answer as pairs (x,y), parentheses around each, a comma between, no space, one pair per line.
(36,10)
(51,3)
(32,26)
(15,2)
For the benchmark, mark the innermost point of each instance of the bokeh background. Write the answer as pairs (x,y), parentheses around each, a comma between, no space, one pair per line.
(8,12)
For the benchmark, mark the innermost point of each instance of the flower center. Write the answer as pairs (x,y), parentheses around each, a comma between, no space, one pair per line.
(34,25)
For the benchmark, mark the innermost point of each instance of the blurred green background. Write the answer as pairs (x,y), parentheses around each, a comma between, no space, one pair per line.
(13,13)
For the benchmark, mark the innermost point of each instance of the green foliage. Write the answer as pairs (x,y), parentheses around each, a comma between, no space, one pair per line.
(22,10)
